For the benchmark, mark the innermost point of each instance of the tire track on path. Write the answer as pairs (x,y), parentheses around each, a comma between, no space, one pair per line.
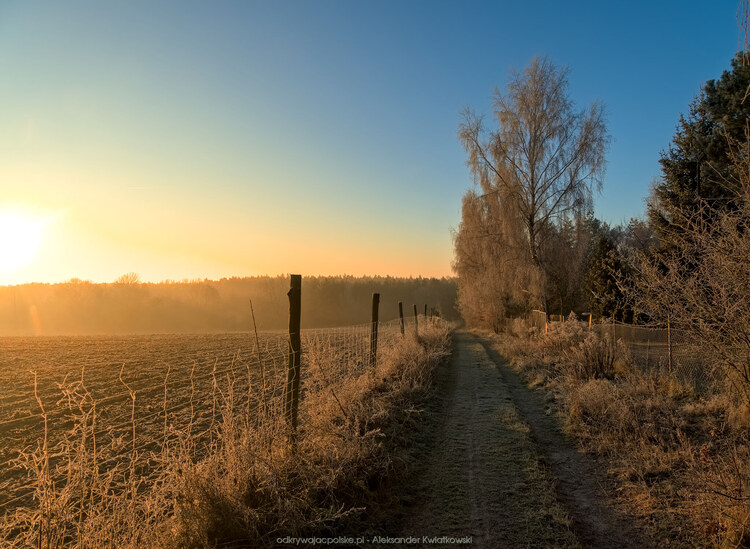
(483,476)
(580,483)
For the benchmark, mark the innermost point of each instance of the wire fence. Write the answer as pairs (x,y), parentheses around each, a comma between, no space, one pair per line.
(674,352)
(670,351)
(81,411)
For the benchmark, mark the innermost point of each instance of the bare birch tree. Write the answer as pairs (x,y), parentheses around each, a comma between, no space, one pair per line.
(543,162)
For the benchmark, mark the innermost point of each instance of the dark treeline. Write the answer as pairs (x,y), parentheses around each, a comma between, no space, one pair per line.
(127,306)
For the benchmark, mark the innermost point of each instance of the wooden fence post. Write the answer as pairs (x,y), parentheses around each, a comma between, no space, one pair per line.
(669,344)
(374,330)
(295,347)
(416,321)
(401,315)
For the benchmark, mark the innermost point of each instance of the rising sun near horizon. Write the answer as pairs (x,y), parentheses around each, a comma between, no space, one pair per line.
(214,140)
(20,237)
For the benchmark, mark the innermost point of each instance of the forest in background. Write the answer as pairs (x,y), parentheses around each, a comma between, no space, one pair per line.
(128,306)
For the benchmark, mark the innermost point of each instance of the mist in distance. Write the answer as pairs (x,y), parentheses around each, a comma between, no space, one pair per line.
(130,307)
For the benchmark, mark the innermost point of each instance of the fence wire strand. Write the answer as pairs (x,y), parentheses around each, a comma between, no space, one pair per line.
(671,351)
(199,380)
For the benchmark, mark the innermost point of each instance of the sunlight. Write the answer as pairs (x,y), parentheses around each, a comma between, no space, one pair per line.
(20,236)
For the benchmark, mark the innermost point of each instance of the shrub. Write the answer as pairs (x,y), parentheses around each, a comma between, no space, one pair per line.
(592,358)
(562,336)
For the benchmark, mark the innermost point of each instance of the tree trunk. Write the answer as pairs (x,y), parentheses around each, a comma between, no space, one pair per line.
(534,253)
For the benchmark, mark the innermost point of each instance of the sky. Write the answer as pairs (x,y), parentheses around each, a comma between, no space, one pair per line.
(184,140)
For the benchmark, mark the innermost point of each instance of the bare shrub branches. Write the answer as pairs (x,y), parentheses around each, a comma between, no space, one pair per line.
(701,282)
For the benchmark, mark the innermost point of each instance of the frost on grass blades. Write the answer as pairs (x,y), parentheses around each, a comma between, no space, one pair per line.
(114,440)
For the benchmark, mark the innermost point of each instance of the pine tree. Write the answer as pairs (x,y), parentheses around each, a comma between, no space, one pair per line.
(697,171)
(605,273)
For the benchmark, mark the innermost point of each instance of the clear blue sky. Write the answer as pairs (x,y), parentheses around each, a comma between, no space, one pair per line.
(192,139)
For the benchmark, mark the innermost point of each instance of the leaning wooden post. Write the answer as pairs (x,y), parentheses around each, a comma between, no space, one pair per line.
(401,315)
(374,330)
(590,317)
(416,321)
(295,348)
(669,344)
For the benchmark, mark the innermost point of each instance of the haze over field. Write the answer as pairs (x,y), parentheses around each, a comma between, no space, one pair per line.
(187,140)
(76,308)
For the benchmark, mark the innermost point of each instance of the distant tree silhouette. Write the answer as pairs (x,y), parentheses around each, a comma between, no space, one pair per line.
(128,278)
(212,305)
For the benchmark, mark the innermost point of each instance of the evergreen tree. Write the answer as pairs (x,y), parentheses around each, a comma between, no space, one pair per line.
(607,268)
(697,171)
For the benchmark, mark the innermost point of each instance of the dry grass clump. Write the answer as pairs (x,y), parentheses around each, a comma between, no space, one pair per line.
(520,328)
(561,336)
(567,350)
(680,458)
(593,357)
(256,488)
(723,467)
(100,502)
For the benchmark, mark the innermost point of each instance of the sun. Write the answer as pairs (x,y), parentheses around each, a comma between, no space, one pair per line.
(20,236)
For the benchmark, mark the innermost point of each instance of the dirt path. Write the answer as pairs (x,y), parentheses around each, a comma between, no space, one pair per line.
(499,471)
